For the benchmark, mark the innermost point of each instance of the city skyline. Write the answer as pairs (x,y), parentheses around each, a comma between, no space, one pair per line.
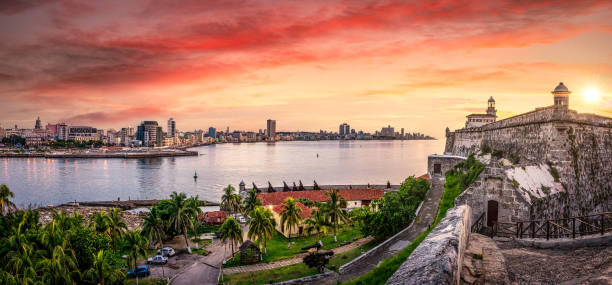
(238,63)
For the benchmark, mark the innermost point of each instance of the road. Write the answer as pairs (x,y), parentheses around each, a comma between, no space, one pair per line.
(205,270)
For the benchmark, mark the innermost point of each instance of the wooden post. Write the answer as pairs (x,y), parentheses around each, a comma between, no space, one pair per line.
(532,229)
(547,229)
(518,230)
(573,227)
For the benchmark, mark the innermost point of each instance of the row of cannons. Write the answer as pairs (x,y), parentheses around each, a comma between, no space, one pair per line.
(298,187)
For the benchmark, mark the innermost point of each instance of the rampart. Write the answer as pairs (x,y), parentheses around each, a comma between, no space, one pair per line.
(577,146)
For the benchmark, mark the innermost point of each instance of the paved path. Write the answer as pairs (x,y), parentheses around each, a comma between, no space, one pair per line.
(426,217)
(205,270)
(290,261)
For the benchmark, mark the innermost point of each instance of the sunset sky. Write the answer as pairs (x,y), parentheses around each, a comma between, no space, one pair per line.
(308,64)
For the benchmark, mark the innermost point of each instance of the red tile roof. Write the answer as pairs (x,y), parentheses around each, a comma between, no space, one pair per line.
(305,213)
(277,198)
(214,217)
(425,176)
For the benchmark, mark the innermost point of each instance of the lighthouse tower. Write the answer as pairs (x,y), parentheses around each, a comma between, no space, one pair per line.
(561,96)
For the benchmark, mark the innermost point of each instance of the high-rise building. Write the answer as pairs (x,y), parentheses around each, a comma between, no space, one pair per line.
(171,128)
(402,134)
(388,131)
(271,130)
(62,131)
(344,129)
(212,132)
(83,133)
(149,133)
(37,126)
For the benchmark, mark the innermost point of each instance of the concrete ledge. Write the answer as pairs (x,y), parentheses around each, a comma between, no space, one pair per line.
(439,258)
(567,243)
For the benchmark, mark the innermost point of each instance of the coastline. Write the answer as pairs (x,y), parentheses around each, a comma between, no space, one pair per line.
(125,155)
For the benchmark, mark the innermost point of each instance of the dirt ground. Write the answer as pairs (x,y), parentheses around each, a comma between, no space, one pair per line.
(589,265)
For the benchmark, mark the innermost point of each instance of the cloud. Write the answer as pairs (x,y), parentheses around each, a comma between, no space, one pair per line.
(116,116)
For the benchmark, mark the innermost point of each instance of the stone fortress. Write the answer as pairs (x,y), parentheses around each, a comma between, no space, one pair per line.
(552,162)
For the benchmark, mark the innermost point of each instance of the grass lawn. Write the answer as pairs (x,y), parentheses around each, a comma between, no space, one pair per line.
(277,246)
(293,271)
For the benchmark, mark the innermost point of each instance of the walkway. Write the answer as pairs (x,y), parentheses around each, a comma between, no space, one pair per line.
(290,261)
(426,217)
(205,270)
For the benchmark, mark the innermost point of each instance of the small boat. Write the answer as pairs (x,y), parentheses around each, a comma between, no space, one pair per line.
(195,175)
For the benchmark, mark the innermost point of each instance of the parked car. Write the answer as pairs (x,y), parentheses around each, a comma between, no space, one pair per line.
(140,271)
(166,251)
(158,259)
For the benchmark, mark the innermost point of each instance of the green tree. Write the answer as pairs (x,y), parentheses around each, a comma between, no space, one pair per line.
(261,226)
(317,222)
(231,231)
(99,222)
(230,201)
(334,207)
(102,273)
(290,216)
(251,201)
(136,244)
(153,226)
(116,225)
(183,212)
(19,258)
(60,268)
(6,204)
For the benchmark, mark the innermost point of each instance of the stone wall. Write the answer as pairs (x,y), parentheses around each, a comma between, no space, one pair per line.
(439,258)
(493,184)
(446,162)
(578,146)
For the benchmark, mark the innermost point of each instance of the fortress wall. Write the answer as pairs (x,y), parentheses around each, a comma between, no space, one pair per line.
(581,151)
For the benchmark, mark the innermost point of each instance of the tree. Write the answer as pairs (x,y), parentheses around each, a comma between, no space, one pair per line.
(290,216)
(318,222)
(102,273)
(228,199)
(99,222)
(261,226)
(60,268)
(183,212)
(116,225)
(153,226)
(334,208)
(231,231)
(251,201)
(6,204)
(136,244)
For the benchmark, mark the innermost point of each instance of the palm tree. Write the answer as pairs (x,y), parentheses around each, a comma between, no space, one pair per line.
(228,199)
(60,268)
(231,230)
(334,208)
(99,222)
(136,244)
(182,214)
(5,203)
(19,258)
(116,225)
(153,226)
(251,201)
(290,216)
(101,272)
(261,226)
(317,222)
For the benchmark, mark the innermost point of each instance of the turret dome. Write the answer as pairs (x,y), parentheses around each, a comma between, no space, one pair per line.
(561,88)
(491,99)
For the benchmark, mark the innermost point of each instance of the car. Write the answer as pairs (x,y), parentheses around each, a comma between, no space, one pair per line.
(158,259)
(166,251)
(140,271)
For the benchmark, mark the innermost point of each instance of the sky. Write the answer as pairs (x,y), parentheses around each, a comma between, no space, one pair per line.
(311,65)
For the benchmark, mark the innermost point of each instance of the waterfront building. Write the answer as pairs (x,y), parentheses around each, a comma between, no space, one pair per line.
(171,128)
(271,130)
(62,131)
(83,133)
(344,129)
(149,133)
(388,131)
(37,126)
(477,120)
(212,132)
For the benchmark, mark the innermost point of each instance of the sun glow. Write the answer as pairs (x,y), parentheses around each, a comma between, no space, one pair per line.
(591,94)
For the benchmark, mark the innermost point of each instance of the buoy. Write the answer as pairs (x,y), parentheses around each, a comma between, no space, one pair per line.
(195,175)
